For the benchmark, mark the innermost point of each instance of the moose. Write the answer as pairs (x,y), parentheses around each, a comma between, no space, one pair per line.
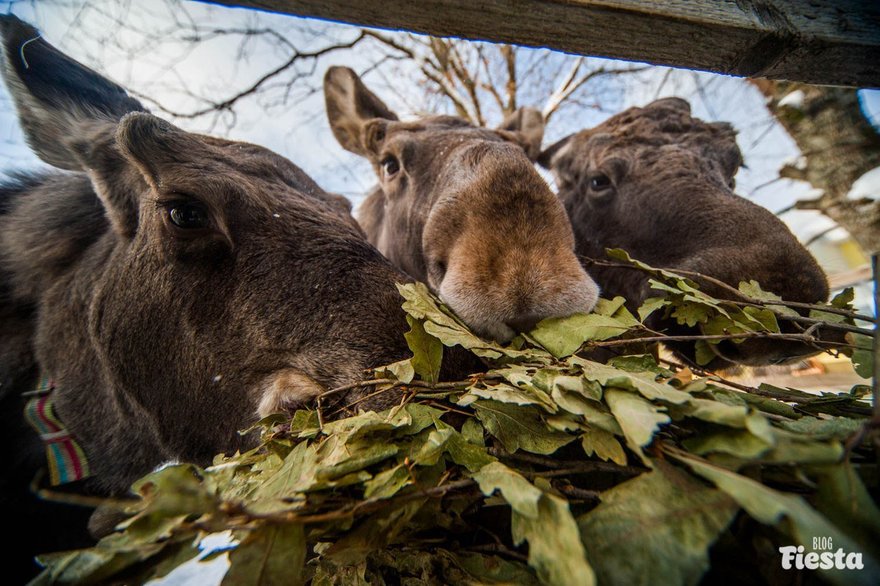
(463,209)
(175,287)
(658,183)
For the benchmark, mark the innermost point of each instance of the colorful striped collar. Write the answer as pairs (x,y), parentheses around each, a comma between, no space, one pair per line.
(67,460)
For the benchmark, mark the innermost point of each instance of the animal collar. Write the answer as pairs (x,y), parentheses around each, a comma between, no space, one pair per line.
(67,460)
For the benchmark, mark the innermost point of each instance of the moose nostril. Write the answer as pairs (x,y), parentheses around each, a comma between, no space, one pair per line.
(524,323)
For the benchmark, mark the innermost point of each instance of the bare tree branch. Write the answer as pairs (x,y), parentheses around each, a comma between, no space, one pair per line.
(227,103)
(508,53)
(450,92)
(570,87)
(391,42)
(563,91)
(489,84)
(476,81)
(468,80)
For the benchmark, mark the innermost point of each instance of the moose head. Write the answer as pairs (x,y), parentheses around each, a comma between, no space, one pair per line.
(464,209)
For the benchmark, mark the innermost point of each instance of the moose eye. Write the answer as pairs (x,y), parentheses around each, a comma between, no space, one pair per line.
(599,182)
(188,215)
(390,166)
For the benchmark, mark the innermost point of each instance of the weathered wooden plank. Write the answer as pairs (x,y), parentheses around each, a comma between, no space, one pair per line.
(815,41)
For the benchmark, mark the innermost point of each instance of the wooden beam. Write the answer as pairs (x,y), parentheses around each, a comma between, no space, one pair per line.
(834,42)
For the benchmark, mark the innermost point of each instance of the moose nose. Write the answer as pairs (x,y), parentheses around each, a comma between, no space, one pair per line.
(524,323)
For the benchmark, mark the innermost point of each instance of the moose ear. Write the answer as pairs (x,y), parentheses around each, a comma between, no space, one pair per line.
(723,148)
(69,115)
(338,202)
(526,127)
(55,96)
(115,181)
(678,104)
(350,109)
(545,159)
(155,146)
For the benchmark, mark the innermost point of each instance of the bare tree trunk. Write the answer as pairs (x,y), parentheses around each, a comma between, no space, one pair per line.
(838,144)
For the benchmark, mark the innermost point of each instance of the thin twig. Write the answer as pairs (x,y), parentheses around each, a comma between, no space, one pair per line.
(363,383)
(366,506)
(814,323)
(578,493)
(735,291)
(498,549)
(365,398)
(710,374)
(393,384)
(569,85)
(743,336)
(447,408)
(416,383)
(565,466)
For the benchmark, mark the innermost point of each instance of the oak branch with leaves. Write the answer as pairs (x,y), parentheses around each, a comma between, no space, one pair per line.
(547,468)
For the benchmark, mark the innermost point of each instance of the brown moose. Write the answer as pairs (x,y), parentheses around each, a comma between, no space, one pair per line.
(463,209)
(658,183)
(175,286)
